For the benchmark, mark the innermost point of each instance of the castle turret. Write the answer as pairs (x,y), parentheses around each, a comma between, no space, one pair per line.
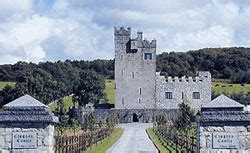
(135,69)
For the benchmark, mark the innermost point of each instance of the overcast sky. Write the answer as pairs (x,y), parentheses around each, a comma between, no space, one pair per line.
(50,30)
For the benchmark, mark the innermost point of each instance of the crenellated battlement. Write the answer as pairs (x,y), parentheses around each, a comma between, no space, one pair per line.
(201,77)
(149,44)
(122,31)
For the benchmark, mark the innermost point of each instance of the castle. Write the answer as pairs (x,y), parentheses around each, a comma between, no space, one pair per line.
(139,86)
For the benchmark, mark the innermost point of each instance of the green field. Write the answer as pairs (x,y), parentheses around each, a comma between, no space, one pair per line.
(110,90)
(68,103)
(3,84)
(220,88)
(106,143)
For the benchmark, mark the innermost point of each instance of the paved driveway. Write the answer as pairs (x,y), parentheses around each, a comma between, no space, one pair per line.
(134,140)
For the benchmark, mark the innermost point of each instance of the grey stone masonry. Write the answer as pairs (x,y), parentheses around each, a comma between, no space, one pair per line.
(127,115)
(184,87)
(223,129)
(27,126)
(135,67)
(138,86)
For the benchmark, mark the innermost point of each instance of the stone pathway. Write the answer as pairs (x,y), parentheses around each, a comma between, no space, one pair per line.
(134,140)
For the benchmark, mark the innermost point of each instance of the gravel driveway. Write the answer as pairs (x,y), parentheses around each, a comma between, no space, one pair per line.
(134,140)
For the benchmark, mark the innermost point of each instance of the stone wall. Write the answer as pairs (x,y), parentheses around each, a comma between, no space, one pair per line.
(126,115)
(44,132)
(183,87)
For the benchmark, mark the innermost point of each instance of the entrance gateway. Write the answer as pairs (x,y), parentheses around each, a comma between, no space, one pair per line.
(223,126)
(135,118)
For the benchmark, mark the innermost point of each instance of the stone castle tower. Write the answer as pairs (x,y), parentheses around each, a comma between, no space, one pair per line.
(135,70)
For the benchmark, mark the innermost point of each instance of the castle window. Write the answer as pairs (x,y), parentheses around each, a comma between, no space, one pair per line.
(122,72)
(196,95)
(139,100)
(148,56)
(122,101)
(168,95)
(140,91)
(133,75)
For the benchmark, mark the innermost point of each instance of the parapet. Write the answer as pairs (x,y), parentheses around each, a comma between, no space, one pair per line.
(149,44)
(122,31)
(198,78)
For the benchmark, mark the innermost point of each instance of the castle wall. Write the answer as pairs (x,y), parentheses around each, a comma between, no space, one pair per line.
(183,88)
(134,75)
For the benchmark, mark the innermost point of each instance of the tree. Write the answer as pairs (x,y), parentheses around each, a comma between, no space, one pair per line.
(39,84)
(8,94)
(183,120)
(90,89)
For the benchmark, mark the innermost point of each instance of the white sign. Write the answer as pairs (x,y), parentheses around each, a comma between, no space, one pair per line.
(27,140)
(224,140)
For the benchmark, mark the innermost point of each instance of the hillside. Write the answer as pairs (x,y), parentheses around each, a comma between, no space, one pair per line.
(50,81)
(223,63)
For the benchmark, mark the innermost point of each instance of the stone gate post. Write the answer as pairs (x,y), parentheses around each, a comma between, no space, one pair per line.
(223,127)
(26,126)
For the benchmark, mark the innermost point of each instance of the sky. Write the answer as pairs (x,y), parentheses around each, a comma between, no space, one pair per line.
(51,30)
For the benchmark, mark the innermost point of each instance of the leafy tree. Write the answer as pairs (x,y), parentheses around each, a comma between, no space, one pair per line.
(90,89)
(242,77)
(183,120)
(39,84)
(8,94)
(90,122)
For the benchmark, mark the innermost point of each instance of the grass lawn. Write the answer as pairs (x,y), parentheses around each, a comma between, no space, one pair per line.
(110,90)
(3,84)
(68,103)
(106,143)
(229,88)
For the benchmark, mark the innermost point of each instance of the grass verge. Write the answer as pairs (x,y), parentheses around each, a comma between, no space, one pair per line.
(160,143)
(106,143)
(156,141)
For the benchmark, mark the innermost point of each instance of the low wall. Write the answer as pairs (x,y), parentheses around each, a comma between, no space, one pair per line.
(130,115)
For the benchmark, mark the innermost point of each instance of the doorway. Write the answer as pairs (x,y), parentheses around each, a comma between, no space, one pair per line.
(135,118)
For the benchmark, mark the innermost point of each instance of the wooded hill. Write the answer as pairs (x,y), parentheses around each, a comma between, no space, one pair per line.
(223,63)
(49,81)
